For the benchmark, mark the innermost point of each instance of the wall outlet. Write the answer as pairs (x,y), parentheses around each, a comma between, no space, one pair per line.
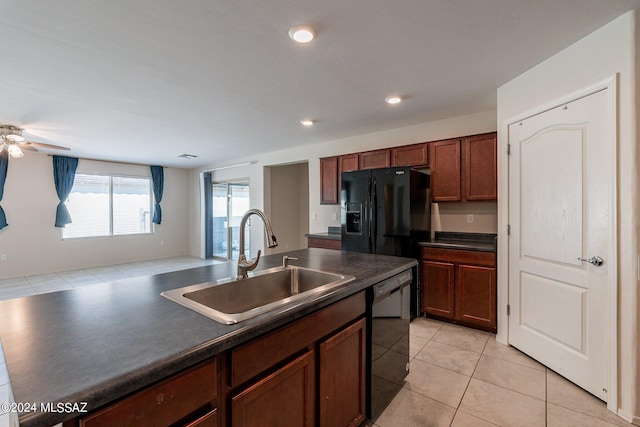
(3,257)
(470,219)
(335,216)
(314,216)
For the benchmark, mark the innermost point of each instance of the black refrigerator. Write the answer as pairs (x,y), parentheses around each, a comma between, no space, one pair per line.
(386,211)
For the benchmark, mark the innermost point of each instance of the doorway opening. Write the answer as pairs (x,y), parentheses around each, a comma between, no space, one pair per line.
(229,200)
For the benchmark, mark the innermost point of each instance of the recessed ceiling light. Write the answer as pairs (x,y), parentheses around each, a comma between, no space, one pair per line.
(302,33)
(307,122)
(393,99)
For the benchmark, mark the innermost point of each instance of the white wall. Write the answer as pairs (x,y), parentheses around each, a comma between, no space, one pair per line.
(289,206)
(34,246)
(321,215)
(606,52)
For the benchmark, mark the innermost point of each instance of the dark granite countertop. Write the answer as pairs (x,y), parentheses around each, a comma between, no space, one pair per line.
(333,233)
(328,236)
(463,241)
(99,343)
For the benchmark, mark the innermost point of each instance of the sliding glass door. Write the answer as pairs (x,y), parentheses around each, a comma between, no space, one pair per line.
(229,200)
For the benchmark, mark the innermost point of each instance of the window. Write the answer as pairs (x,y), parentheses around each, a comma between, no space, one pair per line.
(105,205)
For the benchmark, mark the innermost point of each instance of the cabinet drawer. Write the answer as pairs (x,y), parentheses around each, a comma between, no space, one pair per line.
(249,360)
(165,403)
(460,256)
(323,243)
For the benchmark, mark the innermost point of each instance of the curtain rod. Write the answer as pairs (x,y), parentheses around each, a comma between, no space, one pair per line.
(110,161)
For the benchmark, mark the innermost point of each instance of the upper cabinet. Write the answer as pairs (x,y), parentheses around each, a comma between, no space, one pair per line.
(375,159)
(445,171)
(464,169)
(410,155)
(329,180)
(346,163)
(481,182)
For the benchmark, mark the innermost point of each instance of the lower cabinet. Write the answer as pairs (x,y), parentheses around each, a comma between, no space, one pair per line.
(342,377)
(188,399)
(311,372)
(460,286)
(313,242)
(307,373)
(286,397)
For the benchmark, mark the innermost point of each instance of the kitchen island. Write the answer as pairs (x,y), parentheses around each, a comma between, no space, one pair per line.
(101,343)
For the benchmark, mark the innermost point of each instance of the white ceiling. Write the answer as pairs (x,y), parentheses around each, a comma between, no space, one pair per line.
(147,80)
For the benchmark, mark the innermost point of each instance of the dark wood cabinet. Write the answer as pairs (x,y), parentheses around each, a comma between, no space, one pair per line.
(476,295)
(438,288)
(188,399)
(324,243)
(481,168)
(342,377)
(286,397)
(445,171)
(346,163)
(410,155)
(459,286)
(329,181)
(312,369)
(375,159)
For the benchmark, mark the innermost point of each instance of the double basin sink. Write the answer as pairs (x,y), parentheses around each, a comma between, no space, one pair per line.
(273,291)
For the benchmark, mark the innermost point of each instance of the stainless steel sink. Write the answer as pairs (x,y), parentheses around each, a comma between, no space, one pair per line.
(233,300)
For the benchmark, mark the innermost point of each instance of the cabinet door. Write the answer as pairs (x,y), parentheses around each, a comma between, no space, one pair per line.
(329,181)
(445,171)
(284,398)
(438,288)
(481,169)
(375,159)
(342,377)
(410,155)
(476,296)
(346,163)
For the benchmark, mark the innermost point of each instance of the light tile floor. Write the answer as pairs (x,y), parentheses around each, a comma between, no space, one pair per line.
(44,283)
(461,377)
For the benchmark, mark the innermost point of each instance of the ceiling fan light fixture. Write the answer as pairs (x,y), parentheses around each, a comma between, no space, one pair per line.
(15,151)
(302,33)
(15,138)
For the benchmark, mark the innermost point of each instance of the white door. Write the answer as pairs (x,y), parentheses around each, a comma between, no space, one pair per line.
(560,204)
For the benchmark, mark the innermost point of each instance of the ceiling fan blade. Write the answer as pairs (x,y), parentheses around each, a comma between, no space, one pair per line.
(27,147)
(43,145)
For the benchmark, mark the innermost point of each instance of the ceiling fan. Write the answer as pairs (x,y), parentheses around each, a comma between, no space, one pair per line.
(14,142)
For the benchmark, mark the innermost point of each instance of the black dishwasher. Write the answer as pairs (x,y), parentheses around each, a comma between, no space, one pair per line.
(388,316)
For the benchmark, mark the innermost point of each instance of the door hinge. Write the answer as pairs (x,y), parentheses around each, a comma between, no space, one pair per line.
(508,310)
(508,149)
(508,229)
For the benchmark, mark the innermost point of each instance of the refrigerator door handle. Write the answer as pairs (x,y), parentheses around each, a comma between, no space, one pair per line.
(374,215)
(368,214)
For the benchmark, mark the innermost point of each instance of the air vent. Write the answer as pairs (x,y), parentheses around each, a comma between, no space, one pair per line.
(188,156)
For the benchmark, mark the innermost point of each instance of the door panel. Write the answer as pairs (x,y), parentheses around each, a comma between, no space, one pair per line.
(560,203)
(355,211)
(392,210)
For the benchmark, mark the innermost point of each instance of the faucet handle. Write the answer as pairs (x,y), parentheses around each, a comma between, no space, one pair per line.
(286,259)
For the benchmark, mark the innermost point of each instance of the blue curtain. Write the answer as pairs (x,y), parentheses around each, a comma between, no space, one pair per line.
(4,163)
(64,172)
(157,176)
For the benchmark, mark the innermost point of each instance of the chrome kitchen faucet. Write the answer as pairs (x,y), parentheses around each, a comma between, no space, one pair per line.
(244,266)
